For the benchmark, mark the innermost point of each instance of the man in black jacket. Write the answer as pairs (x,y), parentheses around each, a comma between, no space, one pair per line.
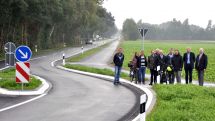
(152,66)
(170,73)
(118,61)
(189,60)
(177,63)
(162,62)
(201,65)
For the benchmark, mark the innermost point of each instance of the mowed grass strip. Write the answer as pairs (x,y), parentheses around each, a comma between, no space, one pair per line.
(105,71)
(86,54)
(132,46)
(183,103)
(7,81)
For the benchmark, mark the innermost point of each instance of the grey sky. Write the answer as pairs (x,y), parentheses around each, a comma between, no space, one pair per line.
(158,11)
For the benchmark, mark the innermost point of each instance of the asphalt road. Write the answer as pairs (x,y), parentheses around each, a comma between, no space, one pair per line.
(73,97)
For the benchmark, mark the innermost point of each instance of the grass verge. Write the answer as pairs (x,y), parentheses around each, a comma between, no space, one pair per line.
(7,81)
(105,71)
(183,103)
(86,54)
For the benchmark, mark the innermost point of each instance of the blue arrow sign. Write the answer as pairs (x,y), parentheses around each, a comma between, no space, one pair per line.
(23,53)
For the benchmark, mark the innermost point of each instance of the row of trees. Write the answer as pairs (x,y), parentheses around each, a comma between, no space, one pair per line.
(50,23)
(171,30)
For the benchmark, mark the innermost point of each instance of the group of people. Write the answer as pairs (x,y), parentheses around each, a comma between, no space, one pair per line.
(167,67)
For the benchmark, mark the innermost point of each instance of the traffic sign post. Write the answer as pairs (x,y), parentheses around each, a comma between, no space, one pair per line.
(143,33)
(9,55)
(23,55)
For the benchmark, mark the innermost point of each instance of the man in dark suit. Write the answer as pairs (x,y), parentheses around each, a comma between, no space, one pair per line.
(189,60)
(201,65)
(162,62)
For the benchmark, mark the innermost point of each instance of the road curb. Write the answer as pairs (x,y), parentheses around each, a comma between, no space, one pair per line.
(151,97)
(45,86)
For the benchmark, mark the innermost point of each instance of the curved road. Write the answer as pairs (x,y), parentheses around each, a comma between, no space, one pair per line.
(73,97)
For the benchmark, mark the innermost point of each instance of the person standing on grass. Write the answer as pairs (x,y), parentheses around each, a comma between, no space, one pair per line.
(162,62)
(170,72)
(118,62)
(142,64)
(188,60)
(134,63)
(201,65)
(152,66)
(177,63)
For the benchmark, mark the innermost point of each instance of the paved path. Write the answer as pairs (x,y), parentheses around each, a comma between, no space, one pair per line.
(73,97)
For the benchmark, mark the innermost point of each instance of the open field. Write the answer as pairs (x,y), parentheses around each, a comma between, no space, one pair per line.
(131,46)
(183,103)
(7,81)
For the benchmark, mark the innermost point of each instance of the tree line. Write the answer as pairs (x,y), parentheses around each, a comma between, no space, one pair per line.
(171,30)
(51,23)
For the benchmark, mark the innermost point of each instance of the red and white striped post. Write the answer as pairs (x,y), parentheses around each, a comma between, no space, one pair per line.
(143,107)
(22,72)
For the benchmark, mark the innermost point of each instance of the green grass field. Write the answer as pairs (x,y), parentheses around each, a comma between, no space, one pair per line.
(132,46)
(7,81)
(183,103)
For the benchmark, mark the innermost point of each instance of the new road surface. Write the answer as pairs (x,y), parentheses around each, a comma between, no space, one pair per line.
(73,97)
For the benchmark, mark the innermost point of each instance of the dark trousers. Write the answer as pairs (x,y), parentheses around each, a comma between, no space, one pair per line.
(201,77)
(188,73)
(171,77)
(153,76)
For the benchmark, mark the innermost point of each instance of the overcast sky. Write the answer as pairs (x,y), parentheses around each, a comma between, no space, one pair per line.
(158,11)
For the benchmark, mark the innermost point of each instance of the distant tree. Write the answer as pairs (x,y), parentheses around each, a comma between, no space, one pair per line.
(130,30)
(175,30)
(186,22)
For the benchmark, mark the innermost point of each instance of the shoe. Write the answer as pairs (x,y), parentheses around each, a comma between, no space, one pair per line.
(150,84)
(119,83)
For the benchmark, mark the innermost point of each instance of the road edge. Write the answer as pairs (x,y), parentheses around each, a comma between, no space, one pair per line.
(151,96)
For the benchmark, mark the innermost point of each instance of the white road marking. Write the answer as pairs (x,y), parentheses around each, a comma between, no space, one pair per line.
(22,103)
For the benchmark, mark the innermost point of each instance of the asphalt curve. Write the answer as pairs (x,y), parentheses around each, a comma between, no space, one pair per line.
(73,97)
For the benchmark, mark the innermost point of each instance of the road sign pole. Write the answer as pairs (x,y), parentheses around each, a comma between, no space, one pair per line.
(143,33)
(143,41)
(9,54)
(22,86)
